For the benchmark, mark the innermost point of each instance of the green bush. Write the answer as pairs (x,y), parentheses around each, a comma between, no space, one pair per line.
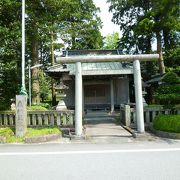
(168,123)
(168,93)
(171,78)
(36,108)
(45,105)
(40,107)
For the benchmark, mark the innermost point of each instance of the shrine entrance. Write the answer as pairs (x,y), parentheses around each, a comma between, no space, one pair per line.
(96,96)
(79,60)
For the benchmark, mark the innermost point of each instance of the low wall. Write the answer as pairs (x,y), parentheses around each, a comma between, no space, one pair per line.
(39,118)
(149,114)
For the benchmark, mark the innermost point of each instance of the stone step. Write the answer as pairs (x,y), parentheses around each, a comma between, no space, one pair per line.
(100,119)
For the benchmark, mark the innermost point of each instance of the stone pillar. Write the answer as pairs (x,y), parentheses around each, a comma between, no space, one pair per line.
(127,113)
(21,115)
(112,95)
(138,96)
(78,100)
(83,112)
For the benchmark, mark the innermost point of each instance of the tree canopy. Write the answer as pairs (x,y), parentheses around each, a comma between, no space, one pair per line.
(45,21)
(111,41)
(144,21)
(168,92)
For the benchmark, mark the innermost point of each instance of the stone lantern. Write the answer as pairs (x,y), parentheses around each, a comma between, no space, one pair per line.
(60,95)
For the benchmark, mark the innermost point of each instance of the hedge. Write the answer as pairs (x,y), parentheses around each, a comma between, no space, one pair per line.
(168,123)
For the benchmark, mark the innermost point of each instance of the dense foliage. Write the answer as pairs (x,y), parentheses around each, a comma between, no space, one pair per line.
(111,41)
(168,123)
(168,93)
(144,21)
(75,21)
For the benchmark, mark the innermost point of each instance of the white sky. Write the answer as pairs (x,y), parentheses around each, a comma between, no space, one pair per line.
(108,26)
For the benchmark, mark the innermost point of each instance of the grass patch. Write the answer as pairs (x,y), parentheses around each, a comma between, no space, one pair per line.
(32,132)
(168,123)
(9,133)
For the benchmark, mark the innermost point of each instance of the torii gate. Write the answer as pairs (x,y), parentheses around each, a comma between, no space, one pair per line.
(108,58)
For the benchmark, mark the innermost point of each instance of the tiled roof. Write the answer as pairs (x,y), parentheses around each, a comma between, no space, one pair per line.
(93,68)
(111,67)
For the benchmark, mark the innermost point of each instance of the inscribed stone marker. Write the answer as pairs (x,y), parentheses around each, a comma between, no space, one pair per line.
(21,115)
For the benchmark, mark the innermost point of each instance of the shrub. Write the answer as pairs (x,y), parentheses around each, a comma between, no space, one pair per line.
(41,107)
(36,108)
(46,105)
(168,93)
(168,123)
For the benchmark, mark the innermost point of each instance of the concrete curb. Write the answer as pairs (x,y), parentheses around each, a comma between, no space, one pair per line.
(45,138)
(131,131)
(136,134)
(165,134)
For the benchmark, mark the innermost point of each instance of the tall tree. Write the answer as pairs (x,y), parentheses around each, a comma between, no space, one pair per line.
(145,19)
(10,54)
(44,20)
(111,41)
(41,17)
(83,26)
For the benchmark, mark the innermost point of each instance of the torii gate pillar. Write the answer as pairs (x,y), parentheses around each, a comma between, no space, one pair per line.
(138,96)
(78,99)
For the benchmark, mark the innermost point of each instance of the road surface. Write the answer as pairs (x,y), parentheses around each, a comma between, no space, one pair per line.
(126,161)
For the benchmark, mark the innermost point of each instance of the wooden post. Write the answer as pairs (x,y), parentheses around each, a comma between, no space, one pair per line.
(112,95)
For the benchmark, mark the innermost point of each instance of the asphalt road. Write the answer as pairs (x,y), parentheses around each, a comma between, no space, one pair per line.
(126,161)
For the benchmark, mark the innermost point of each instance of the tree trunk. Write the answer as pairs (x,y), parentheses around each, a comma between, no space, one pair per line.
(52,49)
(52,63)
(166,35)
(159,51)
(73,42)
(35,71)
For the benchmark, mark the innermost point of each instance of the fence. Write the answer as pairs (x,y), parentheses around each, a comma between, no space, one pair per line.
(40,118)
(128,115)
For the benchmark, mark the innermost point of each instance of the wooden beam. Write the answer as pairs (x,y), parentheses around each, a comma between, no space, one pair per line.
(106,58)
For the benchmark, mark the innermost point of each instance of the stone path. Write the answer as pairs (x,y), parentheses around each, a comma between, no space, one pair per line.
(107,133)
(100,127)
(106,129)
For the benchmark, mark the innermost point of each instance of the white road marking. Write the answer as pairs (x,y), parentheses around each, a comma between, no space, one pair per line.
(88,152)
